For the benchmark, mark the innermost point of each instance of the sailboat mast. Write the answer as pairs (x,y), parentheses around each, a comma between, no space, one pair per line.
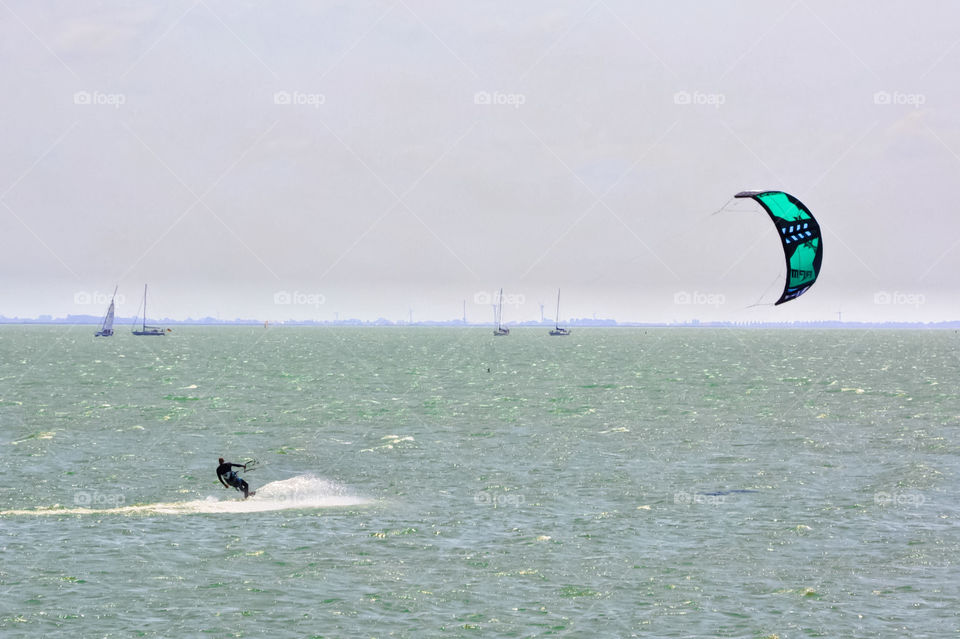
(110,309)
(144,307)
(558,309)
(500,310)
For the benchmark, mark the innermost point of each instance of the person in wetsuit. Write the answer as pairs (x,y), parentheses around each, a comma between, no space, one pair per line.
(224,472)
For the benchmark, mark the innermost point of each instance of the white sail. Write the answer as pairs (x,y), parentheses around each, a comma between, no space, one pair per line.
(108,320)
(498,316)
(106,326)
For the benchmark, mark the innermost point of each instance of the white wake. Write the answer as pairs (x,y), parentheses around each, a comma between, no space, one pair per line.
(304,491)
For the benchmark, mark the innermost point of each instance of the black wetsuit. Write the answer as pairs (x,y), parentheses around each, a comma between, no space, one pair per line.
(223,470)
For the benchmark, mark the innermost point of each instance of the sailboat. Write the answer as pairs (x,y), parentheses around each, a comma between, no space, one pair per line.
(498,316)
(147,330)
(556,327)
(106,326)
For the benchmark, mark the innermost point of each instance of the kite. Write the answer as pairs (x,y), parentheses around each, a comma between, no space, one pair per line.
(800,234)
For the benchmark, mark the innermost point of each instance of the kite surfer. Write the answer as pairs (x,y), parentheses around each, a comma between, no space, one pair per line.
(224,472)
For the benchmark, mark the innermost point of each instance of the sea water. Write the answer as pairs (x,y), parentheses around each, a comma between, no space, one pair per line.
(417,482)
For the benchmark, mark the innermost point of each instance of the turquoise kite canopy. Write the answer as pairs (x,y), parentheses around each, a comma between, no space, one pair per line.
(800,235)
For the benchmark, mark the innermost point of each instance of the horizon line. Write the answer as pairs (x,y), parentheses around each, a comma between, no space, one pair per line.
(90,320)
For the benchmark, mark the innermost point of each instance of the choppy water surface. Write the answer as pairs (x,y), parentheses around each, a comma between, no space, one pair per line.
(444,483)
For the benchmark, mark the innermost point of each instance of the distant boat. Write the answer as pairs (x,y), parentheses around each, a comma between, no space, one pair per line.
(556,327)
(498,317)
(106,326)
(147,330)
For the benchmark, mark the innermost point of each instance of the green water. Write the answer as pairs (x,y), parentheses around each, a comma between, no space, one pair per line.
(613,483)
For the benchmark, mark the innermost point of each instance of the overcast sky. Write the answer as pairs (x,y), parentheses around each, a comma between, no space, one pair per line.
(301,159)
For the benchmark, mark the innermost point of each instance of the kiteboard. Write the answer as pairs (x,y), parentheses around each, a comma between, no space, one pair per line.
(250,465)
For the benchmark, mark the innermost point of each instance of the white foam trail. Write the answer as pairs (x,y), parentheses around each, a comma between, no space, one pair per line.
(304,491)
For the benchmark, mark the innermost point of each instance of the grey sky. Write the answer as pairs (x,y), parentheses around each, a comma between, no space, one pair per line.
(369,157)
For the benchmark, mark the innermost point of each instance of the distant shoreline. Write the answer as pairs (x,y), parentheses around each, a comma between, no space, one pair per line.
(120,326)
